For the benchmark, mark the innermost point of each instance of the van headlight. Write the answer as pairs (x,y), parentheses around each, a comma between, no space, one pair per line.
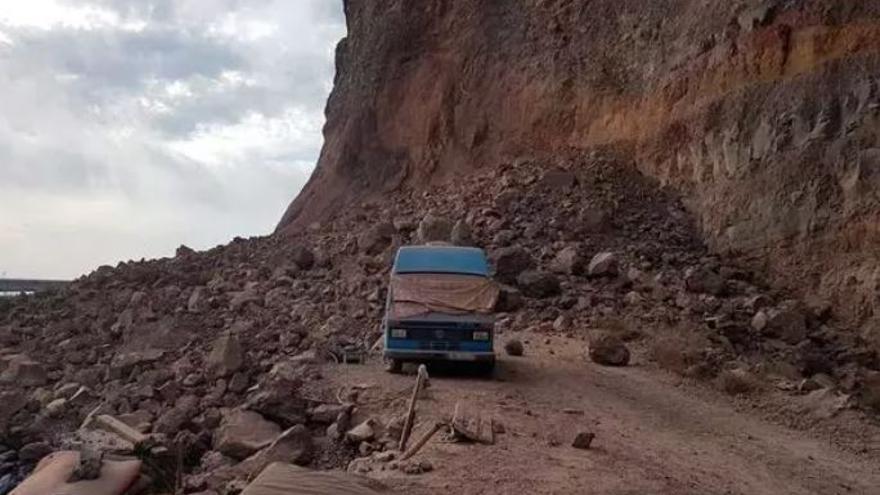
(398,333)
(481,335)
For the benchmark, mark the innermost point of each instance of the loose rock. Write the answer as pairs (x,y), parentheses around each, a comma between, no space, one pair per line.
(514,347)
(539,284)
(433,228)
(583,440)
(462,234)
(569,261)
(242,433)
(226,356)
(603,264)
(608,350)
(510,262)
(363,432)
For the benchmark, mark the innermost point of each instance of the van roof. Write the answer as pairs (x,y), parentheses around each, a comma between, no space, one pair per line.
(441,259)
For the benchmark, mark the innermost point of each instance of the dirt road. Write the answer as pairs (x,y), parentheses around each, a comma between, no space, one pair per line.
(654,435)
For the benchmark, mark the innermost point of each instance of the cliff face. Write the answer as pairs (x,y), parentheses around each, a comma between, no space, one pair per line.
(764,116)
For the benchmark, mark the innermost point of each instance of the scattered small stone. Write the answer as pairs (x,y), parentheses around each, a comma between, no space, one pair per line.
(632,298)
(737,381)
(583,440)
(705,281)
(56,408)
(562,323)
(603,264)
(387,456)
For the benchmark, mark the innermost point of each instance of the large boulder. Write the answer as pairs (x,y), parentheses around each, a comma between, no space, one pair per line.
(604,265)
(239,300)
(608,350)
(536,283)
(363,432)
(10,403)
(377,238)
(509,299)
(434,228)
(277,397)
(294,446)
(570,261)
(558,179)
(242,433)
(705,281)
(788,322)
(226,356)
(23,371)
(303,257)
(198,300)
(462,234)
(327,413)
(510,262)
(124,362)
(174,419)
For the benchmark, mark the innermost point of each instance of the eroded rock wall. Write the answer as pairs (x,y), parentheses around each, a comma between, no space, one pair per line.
(765,116)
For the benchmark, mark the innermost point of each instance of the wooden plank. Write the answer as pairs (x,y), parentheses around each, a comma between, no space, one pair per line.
(411,411)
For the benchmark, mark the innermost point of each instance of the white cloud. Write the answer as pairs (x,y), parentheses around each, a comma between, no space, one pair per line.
(128,127)
(48,14)
(270,138)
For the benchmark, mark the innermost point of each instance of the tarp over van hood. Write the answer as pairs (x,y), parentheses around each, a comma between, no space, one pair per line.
(416,294)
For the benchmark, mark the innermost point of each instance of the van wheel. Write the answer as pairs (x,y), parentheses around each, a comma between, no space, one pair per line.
(393,365)
(486,369)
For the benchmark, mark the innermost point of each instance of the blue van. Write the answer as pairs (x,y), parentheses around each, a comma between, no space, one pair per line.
(440,307)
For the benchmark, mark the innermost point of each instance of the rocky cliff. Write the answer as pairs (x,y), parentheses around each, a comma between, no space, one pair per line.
(763,115)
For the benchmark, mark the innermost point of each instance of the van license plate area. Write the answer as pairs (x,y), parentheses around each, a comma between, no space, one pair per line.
(461,356)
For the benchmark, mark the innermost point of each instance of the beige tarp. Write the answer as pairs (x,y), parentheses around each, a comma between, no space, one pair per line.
(415,294)
(286,479)
(51,475)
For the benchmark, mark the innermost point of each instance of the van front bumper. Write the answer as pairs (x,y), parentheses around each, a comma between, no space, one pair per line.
(434,355)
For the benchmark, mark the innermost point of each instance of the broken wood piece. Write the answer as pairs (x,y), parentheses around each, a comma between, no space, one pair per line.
(472,426)
(117,427)
(411,411)
(422,441)
(138,440)
(91,416)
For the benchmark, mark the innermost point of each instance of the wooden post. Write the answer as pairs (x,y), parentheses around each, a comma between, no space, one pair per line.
(411,412)
(422,441)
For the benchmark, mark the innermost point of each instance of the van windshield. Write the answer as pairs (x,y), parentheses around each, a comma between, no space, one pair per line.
(416,294)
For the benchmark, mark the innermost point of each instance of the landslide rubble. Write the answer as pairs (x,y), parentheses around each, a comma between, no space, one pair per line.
(220,352)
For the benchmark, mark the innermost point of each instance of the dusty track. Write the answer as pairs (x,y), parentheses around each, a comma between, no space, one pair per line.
(654,436)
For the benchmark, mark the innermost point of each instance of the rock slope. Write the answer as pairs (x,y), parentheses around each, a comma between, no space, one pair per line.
(763,114)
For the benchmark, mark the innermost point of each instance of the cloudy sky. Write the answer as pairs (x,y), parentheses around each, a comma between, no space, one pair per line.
(129,127)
